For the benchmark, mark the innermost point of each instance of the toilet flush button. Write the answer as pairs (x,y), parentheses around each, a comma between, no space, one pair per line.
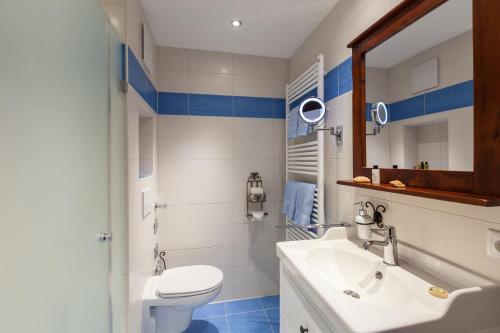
(493,243)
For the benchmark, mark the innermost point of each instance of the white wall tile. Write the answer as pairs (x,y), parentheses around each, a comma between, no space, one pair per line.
(253,128)
(170,148)
(208,236)
(173,170)
(173,126)
(210,127)
(219,73)
(173,216)
(177,258)
(174,193)
(210,62)
(173,80)
(253,149)
(210,192)
(209,214)
(173,58)
(268,169)
(210,170)
(210,149)
(257,86)
(216,256)
(174,238)
(210,83)
(260,66)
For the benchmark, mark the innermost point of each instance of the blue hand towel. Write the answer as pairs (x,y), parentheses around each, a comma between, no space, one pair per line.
(289,199)
(304,202)
(293,121)
(303,128)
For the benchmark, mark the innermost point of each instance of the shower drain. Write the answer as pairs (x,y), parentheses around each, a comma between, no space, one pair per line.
(351,293)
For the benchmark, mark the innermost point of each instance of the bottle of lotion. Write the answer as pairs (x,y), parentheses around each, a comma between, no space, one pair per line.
(375,175)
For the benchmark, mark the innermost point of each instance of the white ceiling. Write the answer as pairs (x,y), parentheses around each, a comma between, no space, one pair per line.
(274,28)
(445,22)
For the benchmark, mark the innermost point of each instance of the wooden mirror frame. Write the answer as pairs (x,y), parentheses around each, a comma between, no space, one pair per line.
(479,187)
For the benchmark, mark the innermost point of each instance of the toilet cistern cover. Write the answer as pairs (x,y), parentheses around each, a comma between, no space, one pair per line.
(189,280)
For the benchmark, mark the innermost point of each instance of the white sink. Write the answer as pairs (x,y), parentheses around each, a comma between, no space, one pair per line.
(344,270)
(356,292)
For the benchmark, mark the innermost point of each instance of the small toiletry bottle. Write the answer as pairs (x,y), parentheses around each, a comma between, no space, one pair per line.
(375,175)
(422,165)
(426,165)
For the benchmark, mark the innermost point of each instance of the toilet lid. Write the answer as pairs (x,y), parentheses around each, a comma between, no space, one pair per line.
(189,280)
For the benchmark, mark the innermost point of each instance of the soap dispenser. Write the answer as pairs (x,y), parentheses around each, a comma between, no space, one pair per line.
(364,222)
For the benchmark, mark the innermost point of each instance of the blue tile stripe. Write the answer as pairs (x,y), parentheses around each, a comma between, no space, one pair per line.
(173,103)
(408,108)
(254,107)
(345,76)
(338,80)
(210,105)
(138,78)
(453,97)
(220,105)
(457,96)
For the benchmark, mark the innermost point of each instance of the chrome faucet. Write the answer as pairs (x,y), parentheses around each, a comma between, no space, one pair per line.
(390,244)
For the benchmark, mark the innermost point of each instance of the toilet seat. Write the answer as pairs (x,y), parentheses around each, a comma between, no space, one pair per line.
(189,281)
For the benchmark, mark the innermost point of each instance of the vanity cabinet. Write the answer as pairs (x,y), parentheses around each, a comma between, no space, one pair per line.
(297,313)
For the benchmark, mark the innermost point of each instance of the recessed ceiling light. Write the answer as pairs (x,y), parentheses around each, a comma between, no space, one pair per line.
(236,23)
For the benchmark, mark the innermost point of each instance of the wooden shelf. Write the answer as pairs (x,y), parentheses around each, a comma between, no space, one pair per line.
(465,198)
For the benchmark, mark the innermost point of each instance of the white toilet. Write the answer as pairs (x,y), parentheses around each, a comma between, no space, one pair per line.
(169,299)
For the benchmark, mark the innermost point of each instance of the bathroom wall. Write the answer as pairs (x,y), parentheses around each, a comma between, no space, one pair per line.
(451,232)
(141,239)
(221,117)
(141,102)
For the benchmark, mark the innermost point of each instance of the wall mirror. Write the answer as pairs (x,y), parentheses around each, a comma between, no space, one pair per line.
(434,65)
(424,75)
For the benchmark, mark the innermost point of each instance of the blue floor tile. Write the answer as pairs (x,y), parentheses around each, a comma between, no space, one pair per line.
(270,302)
(209,310)
(274,319)
(245,305)
(249,322)
(210,325)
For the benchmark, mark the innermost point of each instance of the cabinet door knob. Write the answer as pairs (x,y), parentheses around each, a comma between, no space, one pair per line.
(303,330)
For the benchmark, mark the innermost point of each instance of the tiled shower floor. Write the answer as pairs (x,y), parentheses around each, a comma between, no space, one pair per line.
(253,315)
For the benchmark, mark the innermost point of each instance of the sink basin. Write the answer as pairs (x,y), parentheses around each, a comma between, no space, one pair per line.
(368,277)
(356,292)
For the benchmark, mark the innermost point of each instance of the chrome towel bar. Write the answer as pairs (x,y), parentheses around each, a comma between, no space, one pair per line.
(314,226)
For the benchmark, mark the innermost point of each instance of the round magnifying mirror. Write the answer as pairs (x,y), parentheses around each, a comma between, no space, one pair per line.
(312,110)
(379,113)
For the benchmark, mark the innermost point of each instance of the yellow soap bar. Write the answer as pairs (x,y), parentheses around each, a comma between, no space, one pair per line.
(361,179)
(438,292)
(397,183)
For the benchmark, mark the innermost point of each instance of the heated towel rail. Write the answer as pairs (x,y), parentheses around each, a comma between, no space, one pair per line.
(305,155)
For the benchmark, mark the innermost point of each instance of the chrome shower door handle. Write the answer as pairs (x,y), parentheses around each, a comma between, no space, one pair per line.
(105,237)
